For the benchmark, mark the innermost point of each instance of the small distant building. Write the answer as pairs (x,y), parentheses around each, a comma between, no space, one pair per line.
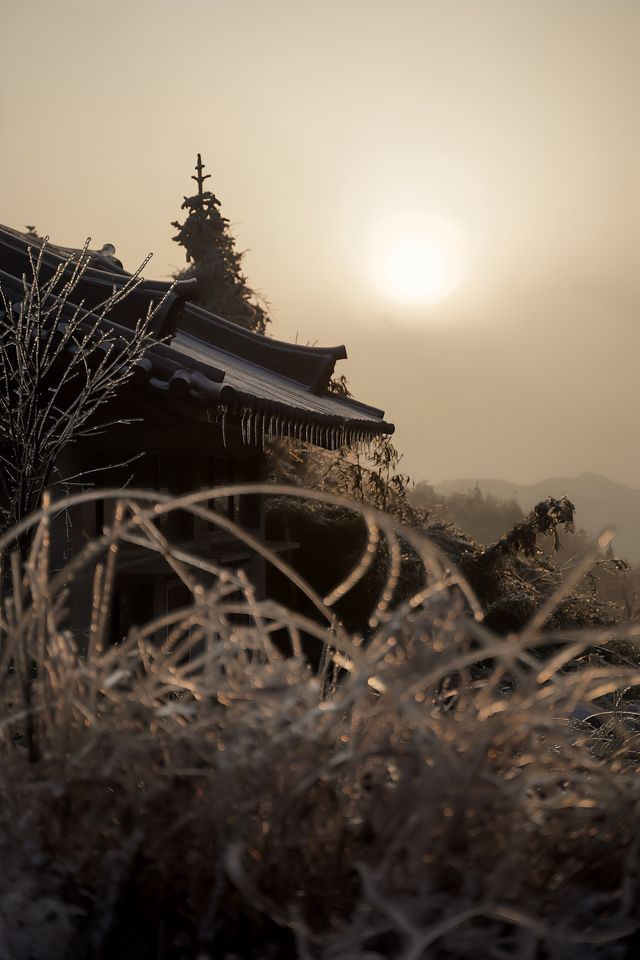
(202,406)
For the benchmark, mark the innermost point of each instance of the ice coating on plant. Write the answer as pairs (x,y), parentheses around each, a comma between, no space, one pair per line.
(427,791)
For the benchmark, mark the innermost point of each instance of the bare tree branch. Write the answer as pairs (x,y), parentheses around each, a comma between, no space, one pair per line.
(59,362)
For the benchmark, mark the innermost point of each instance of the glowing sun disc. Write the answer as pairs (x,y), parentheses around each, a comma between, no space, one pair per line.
(416,259)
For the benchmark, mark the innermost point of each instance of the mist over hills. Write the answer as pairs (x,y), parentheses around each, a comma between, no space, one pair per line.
(599,503)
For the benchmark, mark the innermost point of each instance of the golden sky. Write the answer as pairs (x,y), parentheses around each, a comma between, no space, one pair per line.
(514,122)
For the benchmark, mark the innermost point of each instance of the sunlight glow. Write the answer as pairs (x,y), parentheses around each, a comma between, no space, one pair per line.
(416,259)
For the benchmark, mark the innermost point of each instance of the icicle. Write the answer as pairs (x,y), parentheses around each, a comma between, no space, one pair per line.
(255,427)
(264,431)
(224,425)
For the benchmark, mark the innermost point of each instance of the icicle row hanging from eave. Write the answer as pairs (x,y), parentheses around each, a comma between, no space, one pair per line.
(258,428)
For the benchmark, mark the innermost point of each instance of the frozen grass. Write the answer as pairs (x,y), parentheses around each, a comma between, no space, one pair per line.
(198,791)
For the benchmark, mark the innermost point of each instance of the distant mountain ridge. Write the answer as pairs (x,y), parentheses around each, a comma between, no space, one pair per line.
(600,503)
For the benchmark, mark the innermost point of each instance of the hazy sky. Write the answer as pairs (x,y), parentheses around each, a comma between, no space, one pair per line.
(514,122)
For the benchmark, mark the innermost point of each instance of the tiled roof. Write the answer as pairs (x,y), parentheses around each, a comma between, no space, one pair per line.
(277,388)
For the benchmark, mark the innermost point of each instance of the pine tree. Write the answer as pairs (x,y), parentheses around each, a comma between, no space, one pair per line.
(215,262)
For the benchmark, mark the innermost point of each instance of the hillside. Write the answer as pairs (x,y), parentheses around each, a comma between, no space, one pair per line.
(599,503)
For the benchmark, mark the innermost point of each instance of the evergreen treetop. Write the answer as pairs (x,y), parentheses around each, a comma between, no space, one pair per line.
(214,261)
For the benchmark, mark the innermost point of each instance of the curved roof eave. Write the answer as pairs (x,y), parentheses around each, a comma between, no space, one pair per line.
(211,361)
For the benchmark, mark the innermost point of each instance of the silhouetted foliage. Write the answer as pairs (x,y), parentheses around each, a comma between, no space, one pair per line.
(339,386)
(609,592)
(215,262)
(481,515)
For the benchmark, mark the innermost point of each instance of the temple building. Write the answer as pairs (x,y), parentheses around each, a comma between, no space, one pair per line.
(205,402)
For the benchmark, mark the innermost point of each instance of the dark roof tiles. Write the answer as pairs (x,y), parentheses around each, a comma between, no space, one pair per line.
(280,388)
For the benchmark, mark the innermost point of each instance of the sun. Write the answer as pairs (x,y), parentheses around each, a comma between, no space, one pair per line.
(416,259)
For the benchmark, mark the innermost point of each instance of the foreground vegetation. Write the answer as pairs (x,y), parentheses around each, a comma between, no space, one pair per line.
(423,744)
(197,790)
